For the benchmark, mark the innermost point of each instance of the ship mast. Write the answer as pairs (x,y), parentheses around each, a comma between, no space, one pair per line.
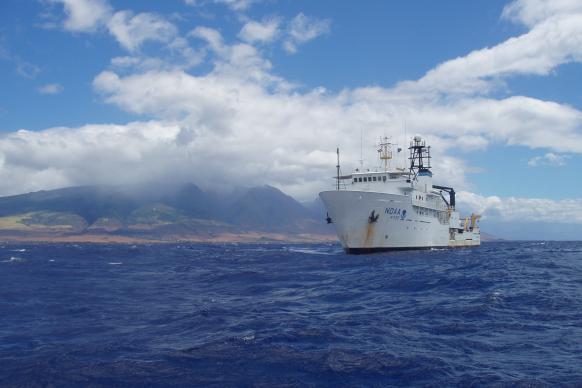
(419,157)
(338,170)
(362,149)
(385,152)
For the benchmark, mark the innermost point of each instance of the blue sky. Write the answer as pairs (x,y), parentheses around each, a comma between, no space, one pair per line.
(248,92)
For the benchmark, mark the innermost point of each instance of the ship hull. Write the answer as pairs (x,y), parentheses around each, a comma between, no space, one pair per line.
(363,251)
(398,225)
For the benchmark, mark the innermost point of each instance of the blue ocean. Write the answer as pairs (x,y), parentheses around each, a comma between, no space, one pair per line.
(507,313)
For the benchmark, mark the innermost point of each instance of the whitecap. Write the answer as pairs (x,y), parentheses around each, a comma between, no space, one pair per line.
(19,250)
(248,338)
(115,263)
(14,259)
(308,251)
(496,296)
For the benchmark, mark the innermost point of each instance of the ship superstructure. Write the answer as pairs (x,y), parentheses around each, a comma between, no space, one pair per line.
(397,208)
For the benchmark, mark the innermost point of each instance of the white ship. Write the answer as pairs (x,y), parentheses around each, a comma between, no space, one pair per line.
(400,208)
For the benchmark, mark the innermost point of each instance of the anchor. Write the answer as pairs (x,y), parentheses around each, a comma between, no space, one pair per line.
(328,219)
(373,217)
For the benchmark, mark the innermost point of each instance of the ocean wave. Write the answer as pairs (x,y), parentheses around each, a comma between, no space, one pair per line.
(14,259)
(284,314)
(310,251)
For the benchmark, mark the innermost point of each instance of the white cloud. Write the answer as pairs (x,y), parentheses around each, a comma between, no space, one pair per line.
(235,5)
(532,12)
(187,56)
(262,32)
(92,154)
(567,211)
(554,38)
(84,15)
(210,35)
(239,61)
(26,69)
(238,5)
(551,43)
(23,68)
(125,62)
(241,124)
(146,151)
(51,89)
(242,103)
(131,31)
(302,29)
(243,112)
(129,64)
(179,55)
(549,159)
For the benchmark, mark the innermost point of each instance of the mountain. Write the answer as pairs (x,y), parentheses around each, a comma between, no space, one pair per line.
(193,201)
(316,207)
(150,212)
(267,207)
(88,202)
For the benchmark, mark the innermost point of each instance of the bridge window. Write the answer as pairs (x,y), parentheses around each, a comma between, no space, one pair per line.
(384,178)
(355,180)
(374,179)
(365,179)
(359,179)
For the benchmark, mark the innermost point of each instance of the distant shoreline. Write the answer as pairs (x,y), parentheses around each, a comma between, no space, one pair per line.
(253,237)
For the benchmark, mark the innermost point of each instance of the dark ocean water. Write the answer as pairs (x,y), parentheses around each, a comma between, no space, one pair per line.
(292,315)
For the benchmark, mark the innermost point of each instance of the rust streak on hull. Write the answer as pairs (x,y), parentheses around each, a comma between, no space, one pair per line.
(369,234)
